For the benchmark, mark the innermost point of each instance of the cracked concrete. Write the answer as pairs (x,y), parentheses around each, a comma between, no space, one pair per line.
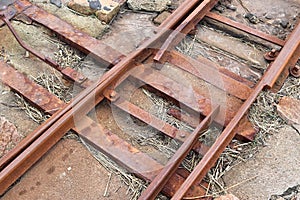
(276,167)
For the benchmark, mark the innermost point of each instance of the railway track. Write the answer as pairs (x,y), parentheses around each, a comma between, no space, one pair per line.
(143,68)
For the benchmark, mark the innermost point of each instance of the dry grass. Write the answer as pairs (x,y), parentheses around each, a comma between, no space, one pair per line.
(32,112)
(54,84)
(66,56)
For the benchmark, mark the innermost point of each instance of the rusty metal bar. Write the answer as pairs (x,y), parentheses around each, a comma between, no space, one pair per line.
(208,71)
(156,123)
(182,10)
(185,27)
(103,53)
(62,121)
(47,60)
(34,93)
(197,102)
(153,121)
(130,158)
(244,131)
(127,156)
(245,28)
(161,179)
(286,56)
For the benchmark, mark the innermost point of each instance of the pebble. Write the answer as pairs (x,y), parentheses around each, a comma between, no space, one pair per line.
(252,18)
(231,7)
(58,3)
(284,23)
(220,8)
(269,16)
(94,4)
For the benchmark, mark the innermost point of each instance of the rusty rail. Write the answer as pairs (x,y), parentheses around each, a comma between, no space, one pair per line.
(288,54)
(246,29)
(62,121)
(93,133)
(185,27)
(163,178)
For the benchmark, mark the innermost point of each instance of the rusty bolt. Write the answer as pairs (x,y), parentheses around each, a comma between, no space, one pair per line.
(113,95)
(271,55)
(74,74)
(295,71)
(81,77)
(182,135)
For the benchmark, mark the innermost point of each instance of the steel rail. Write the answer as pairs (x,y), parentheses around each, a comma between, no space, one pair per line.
(289,53)
(47,60)
(165,174)
(29,10)
(245,28)
(185,27)
(62,121)
(121,152)
(178,13)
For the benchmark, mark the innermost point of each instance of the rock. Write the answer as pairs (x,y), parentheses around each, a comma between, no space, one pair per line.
(9,136)
(220,8)
(95,4)
(81,6)
(269,15)
(227,197)
(289,109)
(108,11)
(161,17)
(148,5)
(231,7)
(252,18)
(284,23)
(105,10)
(58,3)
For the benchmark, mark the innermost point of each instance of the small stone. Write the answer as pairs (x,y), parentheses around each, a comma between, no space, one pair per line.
(9,136)
(284,23)
(94,4)
(231,7)
(58,3)
(289,109)
(220,8)
(108,11)
(81,6)
(270,22)
(148,5)
(269,16)
(227,197)
(161,17)
(252,18)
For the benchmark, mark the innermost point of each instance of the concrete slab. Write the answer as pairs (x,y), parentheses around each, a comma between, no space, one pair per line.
(289,109)
(276,167)
(68,171)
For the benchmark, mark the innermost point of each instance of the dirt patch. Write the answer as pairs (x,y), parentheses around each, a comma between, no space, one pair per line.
(62,174)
